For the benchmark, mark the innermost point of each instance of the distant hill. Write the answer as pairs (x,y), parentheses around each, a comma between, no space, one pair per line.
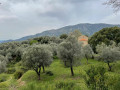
(84,28)
(1,41)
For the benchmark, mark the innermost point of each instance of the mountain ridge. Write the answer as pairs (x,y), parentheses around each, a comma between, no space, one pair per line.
(85,28)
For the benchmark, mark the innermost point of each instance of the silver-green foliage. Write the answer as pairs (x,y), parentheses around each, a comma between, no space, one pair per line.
(87,52)
(54,47)
(3,62)
(12,50)
(70,51)
(37,56)
(100,47)
(110,55)
(119,46)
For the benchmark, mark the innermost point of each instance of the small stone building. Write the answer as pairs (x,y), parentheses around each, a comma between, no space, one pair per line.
(83,39)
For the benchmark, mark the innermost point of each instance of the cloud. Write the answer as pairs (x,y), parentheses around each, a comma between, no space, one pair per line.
(112,18)
(25,17)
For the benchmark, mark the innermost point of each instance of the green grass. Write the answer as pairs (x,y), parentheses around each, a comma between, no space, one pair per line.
(9,82)
(61,79)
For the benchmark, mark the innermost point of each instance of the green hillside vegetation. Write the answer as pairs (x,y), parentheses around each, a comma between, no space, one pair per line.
(55,63)
(61,77)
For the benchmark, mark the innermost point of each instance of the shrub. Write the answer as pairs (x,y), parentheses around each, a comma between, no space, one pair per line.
(3,77)
(65,85)
(18,74)
(117,85)
(49,73)
(10,70)
(112,80)
(96,78)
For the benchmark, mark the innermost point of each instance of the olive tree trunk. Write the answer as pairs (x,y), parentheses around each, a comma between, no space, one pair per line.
(86,58)
(38,70)
(110,67)
(72,73)
(71,67)
(43,68)
(65,63)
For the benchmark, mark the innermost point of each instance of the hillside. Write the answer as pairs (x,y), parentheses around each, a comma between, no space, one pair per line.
(85,28)
(61,76)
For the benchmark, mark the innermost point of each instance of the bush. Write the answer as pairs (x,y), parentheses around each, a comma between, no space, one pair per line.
(10,70)
(112,80)
(49,73)
(96,78)
(65,85)
(18,74)
(3,77)
(117,85)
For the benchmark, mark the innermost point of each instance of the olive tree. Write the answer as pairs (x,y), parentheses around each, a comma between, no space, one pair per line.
(9,49)
(54,48)
(119,46)
(76,33)
(88,52)
(110,55)
(2,52)
(100,47)
(3,62)
(70,51)
(37,56)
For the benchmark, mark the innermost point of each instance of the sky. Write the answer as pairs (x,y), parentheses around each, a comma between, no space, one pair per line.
(20,18)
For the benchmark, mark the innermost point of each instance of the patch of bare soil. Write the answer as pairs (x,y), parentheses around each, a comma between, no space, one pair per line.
(20,82)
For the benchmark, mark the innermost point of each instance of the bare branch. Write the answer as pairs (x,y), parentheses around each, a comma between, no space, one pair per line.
(114,3)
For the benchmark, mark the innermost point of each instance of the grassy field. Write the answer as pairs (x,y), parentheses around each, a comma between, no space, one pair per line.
(61,78)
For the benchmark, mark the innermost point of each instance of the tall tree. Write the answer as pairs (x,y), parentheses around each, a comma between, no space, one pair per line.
(105,36)
(70,51)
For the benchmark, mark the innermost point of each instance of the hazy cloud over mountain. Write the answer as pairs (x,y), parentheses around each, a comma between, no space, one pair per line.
(24,17)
